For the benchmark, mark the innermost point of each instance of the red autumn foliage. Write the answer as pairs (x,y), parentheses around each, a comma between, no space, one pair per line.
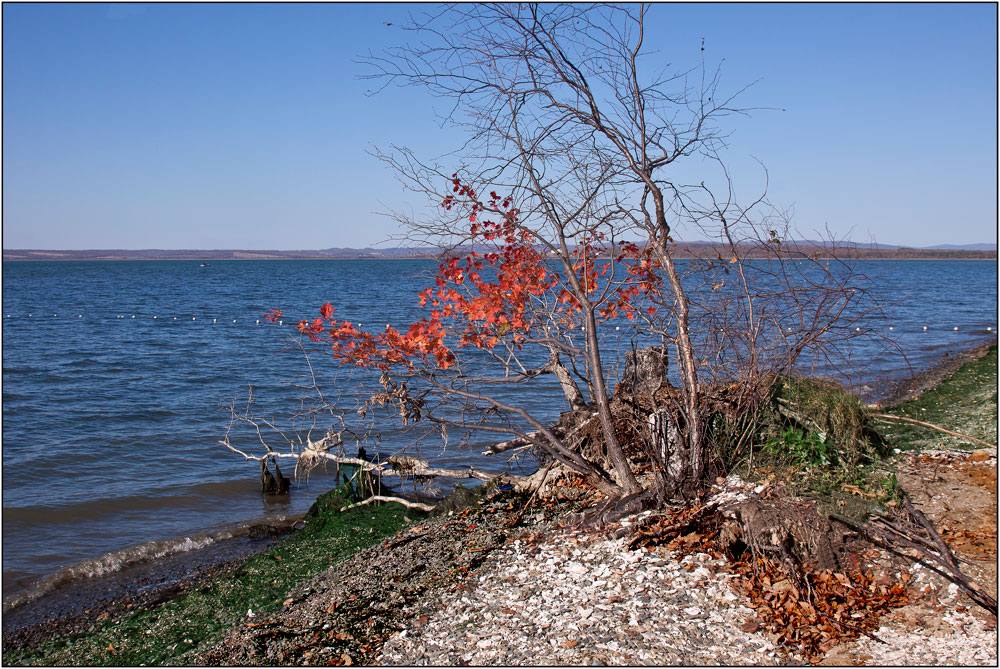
(466,308)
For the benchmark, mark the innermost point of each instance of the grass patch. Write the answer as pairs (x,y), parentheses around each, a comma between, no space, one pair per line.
(818,439)
(965,402)
(174,632)
(823,444)
(811,468)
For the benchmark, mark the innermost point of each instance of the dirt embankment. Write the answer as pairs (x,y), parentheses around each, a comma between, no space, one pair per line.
(954,483)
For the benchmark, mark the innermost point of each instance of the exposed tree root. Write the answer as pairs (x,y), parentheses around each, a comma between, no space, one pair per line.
(807,607)
(913,537)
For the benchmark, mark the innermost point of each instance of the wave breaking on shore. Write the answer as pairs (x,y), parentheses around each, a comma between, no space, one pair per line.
(139,555)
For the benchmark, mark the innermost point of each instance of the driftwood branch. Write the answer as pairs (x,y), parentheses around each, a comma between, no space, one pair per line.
(385,498)
(530,438)
(885,416)
(519,442)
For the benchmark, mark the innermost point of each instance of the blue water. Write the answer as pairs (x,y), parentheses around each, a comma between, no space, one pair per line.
(112,418)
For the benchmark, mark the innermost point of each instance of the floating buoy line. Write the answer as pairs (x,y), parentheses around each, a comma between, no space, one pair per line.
(890,328)
(155,318)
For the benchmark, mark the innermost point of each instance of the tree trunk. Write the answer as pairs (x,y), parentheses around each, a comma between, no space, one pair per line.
(566,382)
(689,372)
(668,446)
(615,453)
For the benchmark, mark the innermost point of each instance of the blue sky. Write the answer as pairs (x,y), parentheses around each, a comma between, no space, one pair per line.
(247,126)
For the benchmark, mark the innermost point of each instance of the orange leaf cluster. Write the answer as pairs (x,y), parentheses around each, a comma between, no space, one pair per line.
(468,309)
(834,607)
(687,530)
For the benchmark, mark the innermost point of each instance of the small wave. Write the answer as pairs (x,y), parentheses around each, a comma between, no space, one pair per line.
(116,561)
(145,553)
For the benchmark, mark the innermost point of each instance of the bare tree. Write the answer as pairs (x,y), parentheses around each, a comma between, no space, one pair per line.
(590,152)
(564,111)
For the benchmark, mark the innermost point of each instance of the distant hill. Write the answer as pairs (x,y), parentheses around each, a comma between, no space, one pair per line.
(216,254)
(800,248)
(990,246)
(964,247)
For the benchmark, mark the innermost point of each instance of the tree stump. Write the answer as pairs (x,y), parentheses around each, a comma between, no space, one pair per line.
(645,371)
(273,484)
(667,445)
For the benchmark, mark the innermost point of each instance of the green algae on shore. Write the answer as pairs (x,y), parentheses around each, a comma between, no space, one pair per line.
(965,401)
(174,632)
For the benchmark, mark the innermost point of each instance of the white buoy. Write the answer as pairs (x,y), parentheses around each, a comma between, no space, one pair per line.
(193,318)
(213,320)
(281,322)
(154,318)
(29,315)
(925,328)
(956,328)
(53,315)
(133,315)
(256,322)
(857,329)
(890,328)
(234,320)
(78,316)
(989,329)
(175,318)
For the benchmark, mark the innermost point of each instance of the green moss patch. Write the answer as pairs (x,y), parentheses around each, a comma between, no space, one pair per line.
(177,630)
(965,402)
(818,439)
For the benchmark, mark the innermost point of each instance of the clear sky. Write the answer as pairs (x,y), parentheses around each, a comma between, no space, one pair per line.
(247,126)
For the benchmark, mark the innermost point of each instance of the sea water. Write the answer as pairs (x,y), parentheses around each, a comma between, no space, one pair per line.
(115,377)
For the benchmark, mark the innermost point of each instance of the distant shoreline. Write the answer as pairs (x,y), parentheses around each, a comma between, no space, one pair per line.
(684,251)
